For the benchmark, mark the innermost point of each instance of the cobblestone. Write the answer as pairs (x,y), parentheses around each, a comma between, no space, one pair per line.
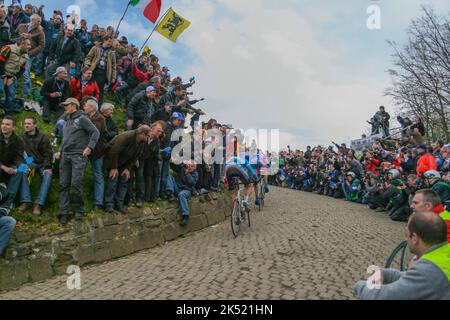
(301,246)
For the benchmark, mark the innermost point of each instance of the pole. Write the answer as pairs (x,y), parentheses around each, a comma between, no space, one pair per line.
(156,25)
(123,16)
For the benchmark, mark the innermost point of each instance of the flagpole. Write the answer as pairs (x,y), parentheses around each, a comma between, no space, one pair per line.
(156,26)
(123,16)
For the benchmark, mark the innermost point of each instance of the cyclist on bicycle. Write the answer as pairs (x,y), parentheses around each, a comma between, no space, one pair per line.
(237,167)
(433,179)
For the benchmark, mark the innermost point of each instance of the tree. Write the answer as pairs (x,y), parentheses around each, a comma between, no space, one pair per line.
(421,77)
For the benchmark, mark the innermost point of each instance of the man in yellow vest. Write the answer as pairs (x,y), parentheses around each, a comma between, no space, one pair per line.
(429,278)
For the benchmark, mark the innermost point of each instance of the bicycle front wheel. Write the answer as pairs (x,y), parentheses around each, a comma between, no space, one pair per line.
(397,259)
(236,218)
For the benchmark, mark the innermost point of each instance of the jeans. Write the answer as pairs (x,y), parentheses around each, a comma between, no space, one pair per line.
(115,192)
(71,175)
(25,194)
(7,225)
(10,93)
(32,63)
(99,181)
(164,164)
(60,127)
(183,195)
(13,182)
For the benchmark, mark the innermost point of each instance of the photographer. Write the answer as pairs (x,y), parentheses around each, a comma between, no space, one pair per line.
(54,91)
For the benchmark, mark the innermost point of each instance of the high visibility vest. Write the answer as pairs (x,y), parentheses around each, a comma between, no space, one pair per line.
(441,258)
(445,215)
(425,163)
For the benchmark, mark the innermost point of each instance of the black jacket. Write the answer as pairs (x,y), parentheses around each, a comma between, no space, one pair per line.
(141,108)
(49,86)
(11,153)
(71,52)
(38,146)
(112,129)
(185,181)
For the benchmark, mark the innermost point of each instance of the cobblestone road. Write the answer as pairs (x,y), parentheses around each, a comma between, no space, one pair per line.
(302,246)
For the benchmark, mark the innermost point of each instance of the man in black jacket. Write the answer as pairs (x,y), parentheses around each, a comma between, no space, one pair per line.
(39,156)
(11,158)
(107,110)
(54,91)
(65,51)
(141,108)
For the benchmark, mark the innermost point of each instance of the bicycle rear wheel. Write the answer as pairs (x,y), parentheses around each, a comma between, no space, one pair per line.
(235,218)
(397,259)
(263,194)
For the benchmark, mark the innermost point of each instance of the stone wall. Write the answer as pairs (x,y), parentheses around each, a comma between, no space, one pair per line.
(45,252)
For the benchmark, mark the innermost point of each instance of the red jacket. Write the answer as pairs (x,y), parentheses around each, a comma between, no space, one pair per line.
(372,166)
(425,163)
(445,215)
(90,89)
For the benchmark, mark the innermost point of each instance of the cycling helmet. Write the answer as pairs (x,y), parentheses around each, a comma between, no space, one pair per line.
(395,173)
(432,174)
(350,173)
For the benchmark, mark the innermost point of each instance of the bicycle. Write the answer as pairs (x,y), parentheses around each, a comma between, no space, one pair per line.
(261,193)
(238,214)
(400,257)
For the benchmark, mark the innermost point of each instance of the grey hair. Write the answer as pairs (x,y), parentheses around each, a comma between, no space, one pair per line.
(106,106)
(35,16)
(93,104)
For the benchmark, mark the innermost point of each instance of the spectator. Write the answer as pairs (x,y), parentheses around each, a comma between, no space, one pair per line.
(5,29)
(54,91)
(148,173)
(102,62)
(121,157)
(141,108)
(182,186)
(65,51)
(29,10)
(12,65)
(163,114)
(37,146)
(16,18)
(429,200)
(52,29)
(380,121)
(82,36)
(426,160)
(11,157)
(35,33)
(84,85)
(166,149)
(7,225)
(90,107)
(79,140)
(427,279)
(107,110)
(442,188)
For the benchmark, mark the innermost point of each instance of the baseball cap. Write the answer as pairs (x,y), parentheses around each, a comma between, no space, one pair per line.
(71,100)
(123,39)
(59,69)
(177,115)
(150,88)
(422,146)
(58,12)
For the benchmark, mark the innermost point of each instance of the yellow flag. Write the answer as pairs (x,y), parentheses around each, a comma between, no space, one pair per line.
(172,25)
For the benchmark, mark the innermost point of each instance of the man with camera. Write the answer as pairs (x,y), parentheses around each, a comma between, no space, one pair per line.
(54,91)
(380,121)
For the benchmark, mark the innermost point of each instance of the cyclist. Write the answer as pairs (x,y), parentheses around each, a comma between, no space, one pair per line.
(237,167)
(442,188)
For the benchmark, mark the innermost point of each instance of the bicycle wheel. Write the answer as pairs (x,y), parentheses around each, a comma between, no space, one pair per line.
(236,218)
(262,195)
(248,218)
(396,259)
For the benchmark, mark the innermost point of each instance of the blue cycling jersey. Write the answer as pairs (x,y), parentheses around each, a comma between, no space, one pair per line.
(242,165)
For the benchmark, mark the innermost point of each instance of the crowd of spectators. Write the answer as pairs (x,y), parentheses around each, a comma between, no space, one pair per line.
(87,76)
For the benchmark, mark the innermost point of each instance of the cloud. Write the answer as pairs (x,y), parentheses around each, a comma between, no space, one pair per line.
(269,69)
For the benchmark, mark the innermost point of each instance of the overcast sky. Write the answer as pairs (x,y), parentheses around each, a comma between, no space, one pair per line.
(310,68)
